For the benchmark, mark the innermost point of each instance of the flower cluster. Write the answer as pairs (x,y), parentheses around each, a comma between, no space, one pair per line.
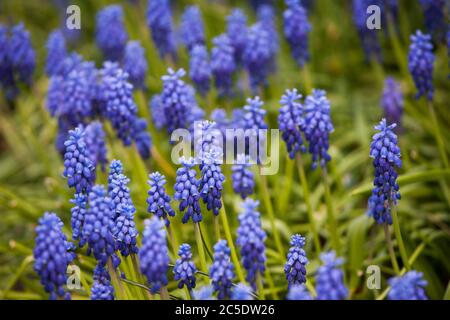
(222,63)
(135,63)
(110,32)
(159,20)
(184,269)
(420,64)
(330,279)
(204,293)
(158,200)
(78,213)
(211,182)
(17,59)
(116,97)
(186,191)
(56,52)
(296,30)
(266,17)
(200,69)
(95,143)
(221,271)
(192,30)
(392,101)
(242,177)
(250,239)
(385,153)
(101,288)
(434,12)
(298,292)
(176,99)
(153,255)
(295,267)
(318,126)
(241,292)
(78,167)
(369,37)
(118,190)
(125,230)
(257,55)
(52,254)
(237,33)
(290,122)
(410,286)
(99,228)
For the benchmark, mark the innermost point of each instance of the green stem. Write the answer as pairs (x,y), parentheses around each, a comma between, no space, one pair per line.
(201,250)
(164,294)
(273,290)
(306,196)
(234,257)
(390,248)
(330,210)
(283,199)
(399,237)
(139,276)
(117,284)
(260,286)
(216,227)
(438,136)
(269,208)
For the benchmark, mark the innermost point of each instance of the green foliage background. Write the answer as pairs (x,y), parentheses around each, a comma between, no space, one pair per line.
(30,168)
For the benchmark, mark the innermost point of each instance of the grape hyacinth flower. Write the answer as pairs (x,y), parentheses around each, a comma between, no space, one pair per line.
(237,33)
(116,98)
(52,254)
(192,30)
(221,271)
(254,114)
(125,230)
(392,101)
(318,126)
(386,155)
(200,69)
(211,182)
(101,288)
(157,112)
(21,54)
(204,293)
(257,55)
(290,122)
(298,292)
(153,255)
(296,30)
(330,279)
(135,64)
(142,138)
(159,20)
(187,192)
(78,214)
(266,17)
(434,12)
(118,189)
(95,144)
(6,71)
(56,52)
(250,240)
(223,64)
(410,286)
(242,177)
(110,33)
(177,100)
(158,200)
(369,37)
(99,228)
(184,269)
(420,64)
(241,292)
(78,167)
(295,267)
